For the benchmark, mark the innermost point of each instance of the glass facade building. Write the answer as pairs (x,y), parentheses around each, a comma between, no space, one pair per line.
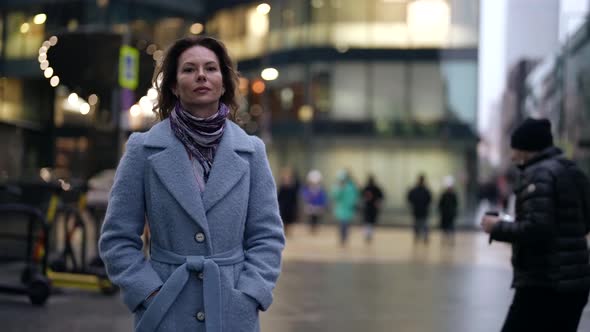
(382,87)
(373,24)
(559,89)
(387,87)
(61,104)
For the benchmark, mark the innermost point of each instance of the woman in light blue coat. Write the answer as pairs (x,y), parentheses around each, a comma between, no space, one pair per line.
(206,191)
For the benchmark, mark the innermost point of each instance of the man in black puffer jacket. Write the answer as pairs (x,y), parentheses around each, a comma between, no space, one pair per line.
(549,247)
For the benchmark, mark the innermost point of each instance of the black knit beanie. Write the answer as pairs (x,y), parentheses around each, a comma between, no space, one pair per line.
(532,135)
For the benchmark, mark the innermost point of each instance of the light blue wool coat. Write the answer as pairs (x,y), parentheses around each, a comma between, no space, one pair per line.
(217,253)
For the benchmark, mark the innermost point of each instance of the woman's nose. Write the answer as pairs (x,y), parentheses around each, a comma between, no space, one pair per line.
(201,74)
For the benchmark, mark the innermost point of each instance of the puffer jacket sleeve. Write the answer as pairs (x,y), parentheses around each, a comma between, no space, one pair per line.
(536,219)
(583,184)
(263,235)
(120,242)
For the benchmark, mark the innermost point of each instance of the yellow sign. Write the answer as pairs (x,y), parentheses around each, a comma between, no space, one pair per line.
(128,67)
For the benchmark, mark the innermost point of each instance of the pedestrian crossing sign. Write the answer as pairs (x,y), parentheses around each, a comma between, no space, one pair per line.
(128,67)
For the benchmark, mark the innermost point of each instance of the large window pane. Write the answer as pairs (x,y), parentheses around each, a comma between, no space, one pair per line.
(350,23)
(286,94)
(11,99)
(461,89)
(1,32)
(388,26)
(389,91)
(15,107)
(428,23)
(426,92)
(243,29)
(289,20)
(321,97)
(349,91)
(166,31)
(464,28)
(24,37)
(321,19)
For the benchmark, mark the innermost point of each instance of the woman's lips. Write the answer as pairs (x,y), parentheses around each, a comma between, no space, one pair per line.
(202,90)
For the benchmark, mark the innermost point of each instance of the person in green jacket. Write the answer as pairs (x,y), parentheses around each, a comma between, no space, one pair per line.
(344,196)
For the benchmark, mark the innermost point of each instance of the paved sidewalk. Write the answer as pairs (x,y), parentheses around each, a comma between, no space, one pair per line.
(390,285)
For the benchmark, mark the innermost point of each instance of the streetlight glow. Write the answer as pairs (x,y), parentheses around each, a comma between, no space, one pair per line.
(40,18)
(48,72)
(84,108)
(263,8)
(92,99)
(73,99)
(54,81)
(269,74)
(197,28)
(305,113)
(258,87)
(24,28)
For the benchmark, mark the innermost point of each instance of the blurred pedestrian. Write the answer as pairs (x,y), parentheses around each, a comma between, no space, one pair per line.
(447,208)
(372,197)
(345,197)
(315,199)
(549,249)
(420,198)
(206,190)
(288,196)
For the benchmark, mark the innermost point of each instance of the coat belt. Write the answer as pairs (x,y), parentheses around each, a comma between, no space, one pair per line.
(209,266)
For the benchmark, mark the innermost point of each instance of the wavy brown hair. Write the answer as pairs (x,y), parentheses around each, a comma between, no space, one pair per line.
(168,69)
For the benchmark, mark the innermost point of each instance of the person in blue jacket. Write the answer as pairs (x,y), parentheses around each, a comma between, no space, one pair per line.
(205,188)
(315,199)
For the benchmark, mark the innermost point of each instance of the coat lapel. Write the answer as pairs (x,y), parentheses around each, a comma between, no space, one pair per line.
(228,166)
(174,169)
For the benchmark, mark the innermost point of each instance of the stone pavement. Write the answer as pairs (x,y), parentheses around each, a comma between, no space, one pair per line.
(390,285)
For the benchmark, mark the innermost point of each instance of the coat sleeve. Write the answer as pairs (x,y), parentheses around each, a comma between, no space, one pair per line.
(538,217)
(120,243)
(583,185)
(263,235)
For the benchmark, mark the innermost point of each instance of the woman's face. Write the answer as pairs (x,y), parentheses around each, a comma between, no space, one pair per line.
(199,82)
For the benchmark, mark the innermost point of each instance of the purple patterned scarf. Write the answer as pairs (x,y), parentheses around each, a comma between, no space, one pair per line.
(200,136)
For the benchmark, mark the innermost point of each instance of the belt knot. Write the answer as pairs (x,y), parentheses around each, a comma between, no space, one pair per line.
(195,263)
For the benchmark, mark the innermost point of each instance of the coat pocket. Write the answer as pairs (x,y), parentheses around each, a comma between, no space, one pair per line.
(142,308)
(168,322)
(242,313)
(237,269)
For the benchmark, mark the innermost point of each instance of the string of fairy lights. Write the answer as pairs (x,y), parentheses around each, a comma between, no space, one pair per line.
(75,101)
(145,106)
